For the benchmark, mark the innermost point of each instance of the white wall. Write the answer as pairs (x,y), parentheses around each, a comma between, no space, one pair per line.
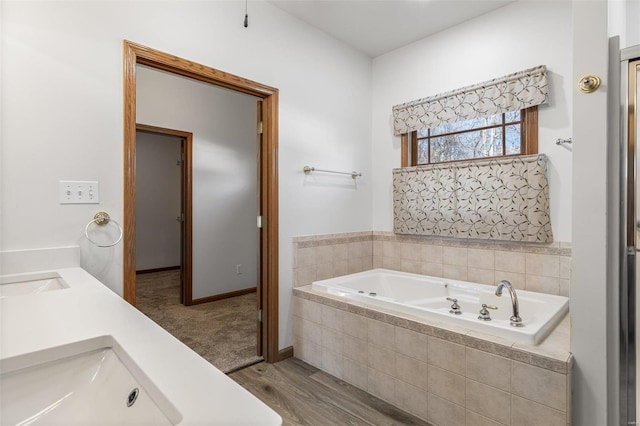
(158,203)
(62,115)
(588,297)
(623,18)
(225,179)
(523,35)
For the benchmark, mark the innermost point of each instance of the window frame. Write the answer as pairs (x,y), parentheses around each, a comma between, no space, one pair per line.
(528,140)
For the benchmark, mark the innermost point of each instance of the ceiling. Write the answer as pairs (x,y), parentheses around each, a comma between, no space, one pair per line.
(376,27)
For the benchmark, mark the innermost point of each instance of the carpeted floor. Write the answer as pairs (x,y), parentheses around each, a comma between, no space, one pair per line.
(222,332)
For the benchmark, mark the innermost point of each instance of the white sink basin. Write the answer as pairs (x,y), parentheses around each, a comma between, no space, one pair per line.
(18,285)
(84,383)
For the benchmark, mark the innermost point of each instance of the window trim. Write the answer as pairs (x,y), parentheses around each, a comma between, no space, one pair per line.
(528,145)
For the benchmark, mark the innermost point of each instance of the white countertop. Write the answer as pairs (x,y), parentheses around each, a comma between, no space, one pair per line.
(200,392)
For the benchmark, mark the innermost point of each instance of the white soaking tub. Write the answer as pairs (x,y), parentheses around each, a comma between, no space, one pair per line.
(426,297)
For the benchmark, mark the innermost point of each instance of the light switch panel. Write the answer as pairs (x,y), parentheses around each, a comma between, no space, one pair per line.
(79,192)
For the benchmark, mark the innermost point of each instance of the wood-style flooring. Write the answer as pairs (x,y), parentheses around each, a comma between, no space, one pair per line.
(304,395)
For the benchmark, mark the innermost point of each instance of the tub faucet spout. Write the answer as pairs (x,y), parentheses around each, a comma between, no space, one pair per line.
(516,321)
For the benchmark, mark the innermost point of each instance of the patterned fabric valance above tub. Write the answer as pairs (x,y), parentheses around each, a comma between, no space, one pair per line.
(512,92)
(499,199)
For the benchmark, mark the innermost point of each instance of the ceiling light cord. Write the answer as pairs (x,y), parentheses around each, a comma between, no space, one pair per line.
(246,15)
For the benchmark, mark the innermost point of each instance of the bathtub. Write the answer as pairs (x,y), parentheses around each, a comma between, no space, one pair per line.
(426,297)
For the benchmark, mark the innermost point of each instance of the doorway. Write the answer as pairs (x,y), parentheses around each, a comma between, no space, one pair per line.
(267,292)
(164,159)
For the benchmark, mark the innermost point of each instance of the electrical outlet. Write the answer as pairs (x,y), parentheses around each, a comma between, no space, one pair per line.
(79,192)
(238,269)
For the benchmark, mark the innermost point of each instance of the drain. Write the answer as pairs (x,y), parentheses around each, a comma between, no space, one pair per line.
(373,294)
(133,395)
(360,291)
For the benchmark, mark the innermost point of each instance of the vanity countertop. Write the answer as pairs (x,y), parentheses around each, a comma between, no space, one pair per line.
(200,392)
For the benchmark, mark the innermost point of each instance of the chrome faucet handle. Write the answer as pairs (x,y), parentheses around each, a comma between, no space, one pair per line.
(455,308)
(484,314)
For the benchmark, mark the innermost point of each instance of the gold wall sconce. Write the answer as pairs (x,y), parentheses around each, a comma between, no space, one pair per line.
(589,83)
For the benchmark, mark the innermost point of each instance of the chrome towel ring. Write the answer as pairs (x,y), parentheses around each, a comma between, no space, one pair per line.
(101,219)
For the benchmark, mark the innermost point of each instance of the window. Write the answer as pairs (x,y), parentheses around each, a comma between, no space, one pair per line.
(511,133)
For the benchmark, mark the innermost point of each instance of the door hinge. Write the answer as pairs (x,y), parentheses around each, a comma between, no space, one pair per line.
(259,127)
(260,315)
(180,217)
(259,221)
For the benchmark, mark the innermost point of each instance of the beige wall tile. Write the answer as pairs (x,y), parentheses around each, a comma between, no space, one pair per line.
(381,359)
(454,256)
(492,370)
(410,251)
(355,325)
(529,413)
(517,280)
(446,355)
(431,269)
(381,385)
(367,263)
(306,256)
(431,253)
(332,363)
(454,272)
(354,373)
(412,371)
(332,317)
(446,384)
(391,249)
(355,349)
(339,252)
(475,419)
(509,261)
(324,271)
(412,266)
(393,263)
(354,250)
(540,284)
(377,248)
(539,385)
(480,258)
(332,340)
(411,343)
(354,265)
(444,413)
(565,287)
(381,334)
(307,309)
(307,351)
(324,254)
(367,248)
(481,276)
(565,267)
(340,268)
(488,401)
(543,264)
(411,399)
(378,262)
(309,331)
(305,275)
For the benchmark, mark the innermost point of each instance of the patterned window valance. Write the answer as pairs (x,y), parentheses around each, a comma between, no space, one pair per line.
(498,199)
(513,92)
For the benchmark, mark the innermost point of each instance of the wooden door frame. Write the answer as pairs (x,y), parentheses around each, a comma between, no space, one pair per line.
(137,54)
(186,203)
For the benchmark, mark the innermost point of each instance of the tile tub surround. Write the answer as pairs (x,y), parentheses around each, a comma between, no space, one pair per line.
(441,373)
(544,268)
(318,257)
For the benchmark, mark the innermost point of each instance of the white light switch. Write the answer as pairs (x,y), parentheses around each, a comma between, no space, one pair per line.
(79,192)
